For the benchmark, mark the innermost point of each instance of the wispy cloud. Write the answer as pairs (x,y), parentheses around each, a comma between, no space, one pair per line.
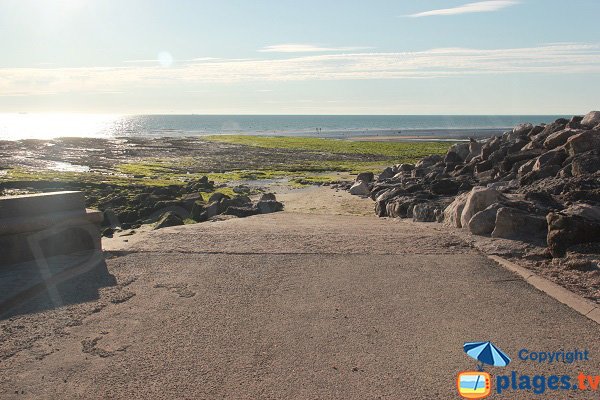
(478,7)
(565,58)
(305,48)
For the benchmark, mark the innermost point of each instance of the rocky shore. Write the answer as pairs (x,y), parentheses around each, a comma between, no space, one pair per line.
(538,185)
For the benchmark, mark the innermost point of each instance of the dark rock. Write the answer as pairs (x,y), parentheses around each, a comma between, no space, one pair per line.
(269,206)
(578,224)
(429,161)
(425,212)
(452,157)
(217,196)
(197,212)
(586,163)
(386,174)
(445,187)
(575,122)
(242,212)
(365,177)
(168,219)
(108,232)
(406,167)
(267,197)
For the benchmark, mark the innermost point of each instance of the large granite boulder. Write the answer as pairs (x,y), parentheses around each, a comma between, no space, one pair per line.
(479,199)
(586,163)
(583,142)
(453,213)
(516,224)
(559,138)
(591,119)
(360,188)
(484,222)
(580,223)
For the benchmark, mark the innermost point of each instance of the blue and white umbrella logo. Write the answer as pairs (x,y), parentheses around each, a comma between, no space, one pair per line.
(486,353)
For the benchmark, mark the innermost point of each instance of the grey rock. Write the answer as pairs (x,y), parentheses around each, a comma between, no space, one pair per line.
(517,224)
(453,213)
(217,197)
(242,212)
(168,219)
(591,119)
(268,196)
(365,177)
(583,142)
(484,222)
(269,206)
(360,188)
(586,163)
(559,138)
(479,199)
(386,174)
(580,223)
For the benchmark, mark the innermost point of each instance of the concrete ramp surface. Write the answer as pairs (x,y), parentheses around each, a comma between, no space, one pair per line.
(289,306)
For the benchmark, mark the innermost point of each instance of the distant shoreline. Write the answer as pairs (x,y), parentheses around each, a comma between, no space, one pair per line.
(36,126)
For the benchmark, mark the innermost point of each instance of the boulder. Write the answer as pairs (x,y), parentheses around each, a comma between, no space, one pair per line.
(360,188)
(241,212)
(579,223)
(366,177)
(552,157)
(217,197)
(474,149)
(526,168)
(168,219)
(386,174)
(520,132)
(405,167)
(492,145)
(452,158)
(269,206)
(591,119)
(267,197)
(575,122)
(512,223)
(483,222)
(583,142)
(447,187)
(460,149)
(559,138)
(479,199)
(586,163)
(425,212)
(453,213)
(197,210)
(429,161)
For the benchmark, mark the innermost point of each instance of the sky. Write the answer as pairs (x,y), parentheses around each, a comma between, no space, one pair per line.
(300,57)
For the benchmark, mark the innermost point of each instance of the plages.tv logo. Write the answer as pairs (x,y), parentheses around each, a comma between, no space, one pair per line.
(478,384)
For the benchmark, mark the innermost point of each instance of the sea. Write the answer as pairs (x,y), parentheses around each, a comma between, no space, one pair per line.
(391,127)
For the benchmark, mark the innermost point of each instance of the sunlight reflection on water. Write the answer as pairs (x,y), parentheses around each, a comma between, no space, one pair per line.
(48,126)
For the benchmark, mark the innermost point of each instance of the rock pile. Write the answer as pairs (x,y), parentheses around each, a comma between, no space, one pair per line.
(534,183)
(220,204)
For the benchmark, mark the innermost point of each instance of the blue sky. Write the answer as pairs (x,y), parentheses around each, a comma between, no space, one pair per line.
(300,57)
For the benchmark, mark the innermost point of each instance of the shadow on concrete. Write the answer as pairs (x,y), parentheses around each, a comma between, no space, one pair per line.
(53,282)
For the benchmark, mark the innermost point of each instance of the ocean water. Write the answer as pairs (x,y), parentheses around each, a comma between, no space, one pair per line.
(46,126)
